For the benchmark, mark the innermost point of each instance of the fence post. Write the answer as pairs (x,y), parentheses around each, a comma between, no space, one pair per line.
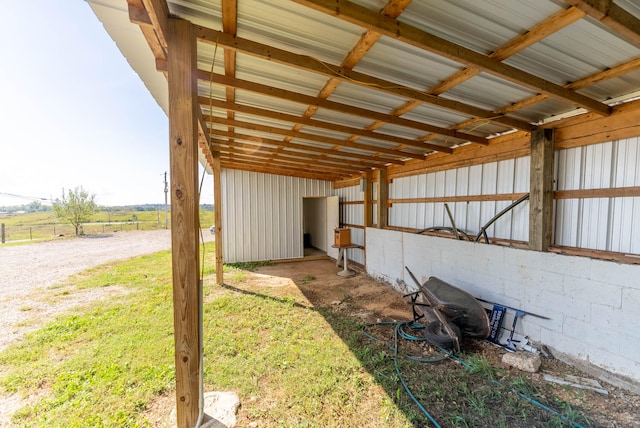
(2,232)
(30,234)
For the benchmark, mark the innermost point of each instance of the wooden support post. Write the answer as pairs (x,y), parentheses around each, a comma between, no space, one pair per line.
(217,203)
(383,197)
(368,198)
(185,244)
(541,190)
(368,207)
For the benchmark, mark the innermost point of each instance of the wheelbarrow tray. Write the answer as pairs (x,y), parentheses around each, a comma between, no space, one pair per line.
(458,307)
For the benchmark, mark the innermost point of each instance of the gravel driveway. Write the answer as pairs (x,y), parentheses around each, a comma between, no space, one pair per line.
(28,271)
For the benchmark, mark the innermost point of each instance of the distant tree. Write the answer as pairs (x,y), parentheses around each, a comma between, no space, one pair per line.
(34,207)
(75,207)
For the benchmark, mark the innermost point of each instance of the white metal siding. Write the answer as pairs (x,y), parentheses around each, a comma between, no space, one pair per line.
(508,176)
(609,224)
(262,214)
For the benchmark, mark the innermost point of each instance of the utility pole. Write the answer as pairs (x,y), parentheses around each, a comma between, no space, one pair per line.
(166,205)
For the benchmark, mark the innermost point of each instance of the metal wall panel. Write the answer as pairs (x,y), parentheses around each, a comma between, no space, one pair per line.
(506,176)
(262,214)
(608,224)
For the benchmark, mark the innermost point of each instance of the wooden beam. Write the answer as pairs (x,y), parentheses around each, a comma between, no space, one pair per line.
(342,73)
(369,19)
(382,200)
(368,198)
(330,105)
(185,227)
(613,16)
(343,108)
(267,159)
(315,123)
(540,31)
(274,166)
(368,161)
(217,213)
(613,192)
(158,12)
(509,146)
(541,190)
(464,198)
(318,138)
(230,164)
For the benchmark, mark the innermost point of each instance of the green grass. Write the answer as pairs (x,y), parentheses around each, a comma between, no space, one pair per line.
(105,366)
(292,365)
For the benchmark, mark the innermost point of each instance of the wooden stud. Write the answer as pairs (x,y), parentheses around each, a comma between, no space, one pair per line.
(185,244)
(383,195)
(217,203)
(541,190)
(367,176)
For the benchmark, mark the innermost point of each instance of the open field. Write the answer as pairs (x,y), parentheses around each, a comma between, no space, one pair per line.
(45,225)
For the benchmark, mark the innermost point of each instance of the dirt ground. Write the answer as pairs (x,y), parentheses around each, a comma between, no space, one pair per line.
(372,301)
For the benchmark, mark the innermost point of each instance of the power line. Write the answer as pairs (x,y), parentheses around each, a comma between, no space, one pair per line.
(34,198)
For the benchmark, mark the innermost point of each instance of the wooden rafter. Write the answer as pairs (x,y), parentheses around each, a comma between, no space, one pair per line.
(373,160)
(315,123)
(512,47)
(416,37)
(317,138)
(264,158)
(229,26)
(331,105)
(613,16)
(342,73)
(285,156)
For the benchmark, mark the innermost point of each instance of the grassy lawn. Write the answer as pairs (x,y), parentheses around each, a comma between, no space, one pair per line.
(292,364)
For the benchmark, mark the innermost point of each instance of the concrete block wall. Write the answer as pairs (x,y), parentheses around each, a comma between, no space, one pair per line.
(594,305)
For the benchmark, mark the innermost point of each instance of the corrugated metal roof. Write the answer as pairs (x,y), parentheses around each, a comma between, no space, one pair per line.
(300,68)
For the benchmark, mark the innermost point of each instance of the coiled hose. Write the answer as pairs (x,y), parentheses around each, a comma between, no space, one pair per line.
(399,333)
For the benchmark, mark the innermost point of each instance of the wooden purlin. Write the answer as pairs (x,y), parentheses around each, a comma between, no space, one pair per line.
(330,105)
(613,16)
(365,161)
(342,73)
(319,138)
(284,160)
(315,123)
(416,37)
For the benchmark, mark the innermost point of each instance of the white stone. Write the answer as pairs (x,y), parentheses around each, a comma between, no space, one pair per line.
(219,410)
(525,361)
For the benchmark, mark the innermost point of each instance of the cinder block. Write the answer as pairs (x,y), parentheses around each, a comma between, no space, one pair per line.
(615,273)
(532,259)
(593,291)
(606,316)
(630,348)
(384,254)
(567,305)
(631,299)
(616,363)
(593,335)
(565,344)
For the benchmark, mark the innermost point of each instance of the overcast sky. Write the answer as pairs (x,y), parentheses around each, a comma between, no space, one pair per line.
(74,113)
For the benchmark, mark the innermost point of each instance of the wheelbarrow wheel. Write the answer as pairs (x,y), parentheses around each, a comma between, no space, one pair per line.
(436,334)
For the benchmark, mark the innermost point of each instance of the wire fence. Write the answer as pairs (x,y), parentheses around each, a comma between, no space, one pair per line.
(48,231)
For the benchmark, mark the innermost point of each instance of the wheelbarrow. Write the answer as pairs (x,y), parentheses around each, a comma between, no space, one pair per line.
(447,313)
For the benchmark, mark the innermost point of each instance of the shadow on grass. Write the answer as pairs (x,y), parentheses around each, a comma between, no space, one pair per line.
(439,391)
